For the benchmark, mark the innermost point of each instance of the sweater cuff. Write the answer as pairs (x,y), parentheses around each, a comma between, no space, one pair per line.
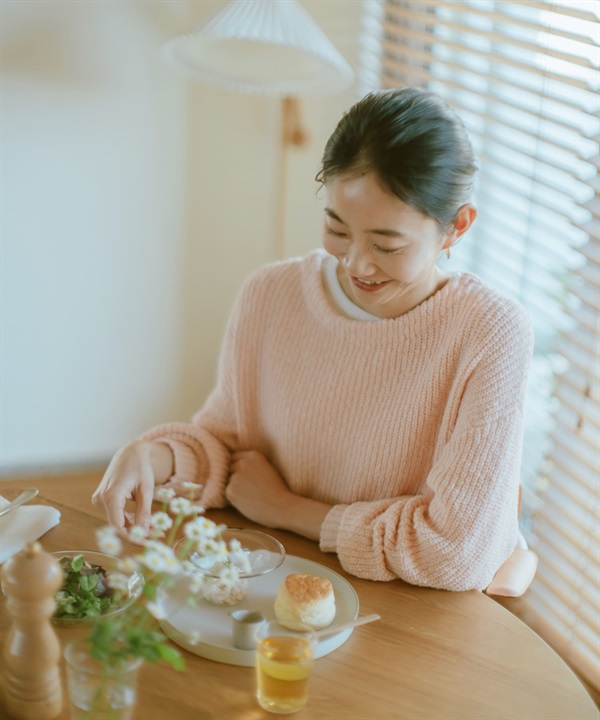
(330,528)
(185,463)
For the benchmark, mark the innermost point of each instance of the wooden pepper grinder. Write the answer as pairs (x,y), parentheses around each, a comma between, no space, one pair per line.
(31,688)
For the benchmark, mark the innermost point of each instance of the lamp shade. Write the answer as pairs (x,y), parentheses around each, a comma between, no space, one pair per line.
(263,47)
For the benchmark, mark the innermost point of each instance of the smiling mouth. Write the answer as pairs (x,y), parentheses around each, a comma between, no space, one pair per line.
(368,285)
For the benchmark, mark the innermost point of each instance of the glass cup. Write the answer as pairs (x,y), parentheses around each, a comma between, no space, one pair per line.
(284,662)
(95,693)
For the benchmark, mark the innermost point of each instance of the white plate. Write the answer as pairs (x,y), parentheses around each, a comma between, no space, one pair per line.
(213,624)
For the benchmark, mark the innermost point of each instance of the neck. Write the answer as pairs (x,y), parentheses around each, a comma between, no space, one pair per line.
(408,297)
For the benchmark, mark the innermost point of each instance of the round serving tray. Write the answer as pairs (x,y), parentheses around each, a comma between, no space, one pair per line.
(206,629)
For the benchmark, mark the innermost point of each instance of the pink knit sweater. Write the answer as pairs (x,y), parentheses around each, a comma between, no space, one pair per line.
(411,428)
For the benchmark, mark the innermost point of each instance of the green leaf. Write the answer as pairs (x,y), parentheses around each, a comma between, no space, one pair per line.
(149,653)
(85,583)
(171,655)
(77,563)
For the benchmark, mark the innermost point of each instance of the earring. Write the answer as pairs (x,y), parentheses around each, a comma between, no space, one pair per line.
(448,253)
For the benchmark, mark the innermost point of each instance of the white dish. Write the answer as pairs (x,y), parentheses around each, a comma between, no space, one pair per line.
(212,624)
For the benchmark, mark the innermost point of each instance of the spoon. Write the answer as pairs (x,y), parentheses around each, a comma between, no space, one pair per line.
(345,626)
(24,497)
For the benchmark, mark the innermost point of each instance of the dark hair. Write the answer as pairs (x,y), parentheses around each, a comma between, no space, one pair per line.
(414,142)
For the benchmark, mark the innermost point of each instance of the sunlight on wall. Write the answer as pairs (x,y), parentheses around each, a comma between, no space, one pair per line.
(92,150)
(133,205)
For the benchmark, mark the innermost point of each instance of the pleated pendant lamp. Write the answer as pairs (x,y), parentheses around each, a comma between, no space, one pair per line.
(264,47)
(269,48)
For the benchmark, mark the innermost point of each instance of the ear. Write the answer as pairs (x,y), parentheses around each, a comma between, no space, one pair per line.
(465,217)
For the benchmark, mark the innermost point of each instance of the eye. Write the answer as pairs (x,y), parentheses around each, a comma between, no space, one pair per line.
(396,251)
(330,231)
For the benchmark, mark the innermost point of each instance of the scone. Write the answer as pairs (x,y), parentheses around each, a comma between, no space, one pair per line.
(305,601)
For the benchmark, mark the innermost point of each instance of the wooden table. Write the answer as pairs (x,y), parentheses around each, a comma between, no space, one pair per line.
(434,654)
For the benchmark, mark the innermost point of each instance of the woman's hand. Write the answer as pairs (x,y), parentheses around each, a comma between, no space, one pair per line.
(256,489)
(260,493)
(131,475)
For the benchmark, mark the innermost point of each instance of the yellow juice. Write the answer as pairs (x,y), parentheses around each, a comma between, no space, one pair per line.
(283,667)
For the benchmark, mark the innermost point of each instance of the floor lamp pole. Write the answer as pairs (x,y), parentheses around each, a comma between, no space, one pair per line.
(292,134)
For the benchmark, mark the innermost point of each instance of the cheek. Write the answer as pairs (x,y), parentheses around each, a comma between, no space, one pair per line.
(427,258)
(333,245)
(401,268)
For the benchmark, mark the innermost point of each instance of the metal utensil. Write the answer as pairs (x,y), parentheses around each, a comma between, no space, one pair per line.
(24,497)
(345,626)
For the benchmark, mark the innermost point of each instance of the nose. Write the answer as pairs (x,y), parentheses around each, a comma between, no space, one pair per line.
(358,262)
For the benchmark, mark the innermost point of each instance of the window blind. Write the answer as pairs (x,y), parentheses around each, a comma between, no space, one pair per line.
(524,76)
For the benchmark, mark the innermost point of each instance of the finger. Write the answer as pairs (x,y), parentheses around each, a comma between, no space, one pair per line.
(114,508)
(240,454)
(143,500)
(129,523)
(97,499)
(98,495)
(143,496)
(230,494)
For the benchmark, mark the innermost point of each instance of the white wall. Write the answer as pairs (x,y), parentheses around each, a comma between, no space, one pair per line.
(134,202)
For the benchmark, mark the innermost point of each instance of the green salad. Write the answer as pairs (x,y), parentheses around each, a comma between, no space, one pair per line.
(85,592)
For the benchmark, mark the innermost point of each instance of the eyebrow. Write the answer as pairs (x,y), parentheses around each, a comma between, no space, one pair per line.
(375,231)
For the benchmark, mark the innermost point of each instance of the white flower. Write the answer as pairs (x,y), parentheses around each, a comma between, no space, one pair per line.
(197,583)
(163,550)
(239,557)
(127,565)
(164,494)
(154,561)
(229,575)
(181,506)
(161,521)
(225,593)
(235,546)
(171,565)
(194,490)
(137,534)
(210,546)
(197,529)
(210,528)
(106,530)
(118,581)
(161,558)
(108,542)
(194,637)
(191,486)
(203,528)
(156,610)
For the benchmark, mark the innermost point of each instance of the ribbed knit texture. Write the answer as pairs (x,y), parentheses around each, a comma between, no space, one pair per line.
(410,427)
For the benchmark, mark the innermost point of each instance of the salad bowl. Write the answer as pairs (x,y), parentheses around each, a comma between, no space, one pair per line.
(84,597)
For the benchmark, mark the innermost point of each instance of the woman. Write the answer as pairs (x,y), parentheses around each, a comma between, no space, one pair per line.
(366,398)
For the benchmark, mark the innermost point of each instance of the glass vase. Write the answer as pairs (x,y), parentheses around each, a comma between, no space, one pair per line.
(98,693)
